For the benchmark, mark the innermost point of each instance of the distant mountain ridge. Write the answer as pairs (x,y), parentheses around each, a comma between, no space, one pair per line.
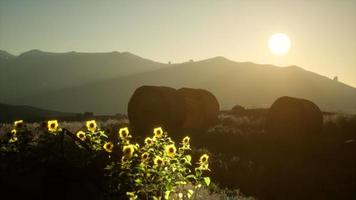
(10,113)
(37,71)
(244,83)
(5,55)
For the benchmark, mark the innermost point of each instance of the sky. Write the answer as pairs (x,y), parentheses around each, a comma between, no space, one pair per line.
(322,32)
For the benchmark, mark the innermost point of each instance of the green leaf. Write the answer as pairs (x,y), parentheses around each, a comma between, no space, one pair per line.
(192,176)
(190,194)
(207,180)
(138,181)
(166,194)
(189,158)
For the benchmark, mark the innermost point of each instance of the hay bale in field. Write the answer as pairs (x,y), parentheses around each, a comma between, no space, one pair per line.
(292,116)
(174,110)
(152,106)
(202,108)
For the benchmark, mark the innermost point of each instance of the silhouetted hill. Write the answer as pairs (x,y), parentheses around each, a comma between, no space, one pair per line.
(36,71)
(10,113)
(243,83)
(5,57)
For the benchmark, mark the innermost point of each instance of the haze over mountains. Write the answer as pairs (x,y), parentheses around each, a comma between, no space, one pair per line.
(36,71)
(104,82)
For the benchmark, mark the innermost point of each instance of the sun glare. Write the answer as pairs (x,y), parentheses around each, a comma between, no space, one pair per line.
(279,44)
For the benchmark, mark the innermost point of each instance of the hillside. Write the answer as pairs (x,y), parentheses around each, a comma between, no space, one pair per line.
(36,71)
(243,83)
(5,57)
(10,113)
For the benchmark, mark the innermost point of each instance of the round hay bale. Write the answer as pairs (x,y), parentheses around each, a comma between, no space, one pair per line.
(195,117)
(211,106)
(292,116)
(202,108)
(153,106)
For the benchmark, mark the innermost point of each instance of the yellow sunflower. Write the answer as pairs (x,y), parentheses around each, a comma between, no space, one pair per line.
(52,126)
(124,133)
(91,125)
(204,159)
(13,139)
(18,123)
(158,161)
(186,140)
(170,150)
(204,167)
(128,150)
(81,135)
(148,141)
(145,156)
(13,132)
(108,146)
(186,143)
(158,132)
(124,160)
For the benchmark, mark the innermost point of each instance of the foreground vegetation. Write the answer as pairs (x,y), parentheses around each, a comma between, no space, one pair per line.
(241,155)
(47,160)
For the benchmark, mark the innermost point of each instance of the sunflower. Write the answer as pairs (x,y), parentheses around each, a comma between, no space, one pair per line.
(18,123)
(170,150)
(81,135)
(128,150)
(204,159)
(186,140)
(52,126)
(148,141)
(158,161)
(13,132)
(158,132)
(91,126)
(13,139)
(124,133)
(204,167)
(124,160)
(183,161)
(108,146)
(145,156)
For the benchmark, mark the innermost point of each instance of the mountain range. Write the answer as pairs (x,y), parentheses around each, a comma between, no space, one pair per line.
(10,113)
(103,82)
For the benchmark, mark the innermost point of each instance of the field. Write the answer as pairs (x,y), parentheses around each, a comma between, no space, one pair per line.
(244,158)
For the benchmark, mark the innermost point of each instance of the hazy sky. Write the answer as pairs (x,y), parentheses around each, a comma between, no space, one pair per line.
(323,32)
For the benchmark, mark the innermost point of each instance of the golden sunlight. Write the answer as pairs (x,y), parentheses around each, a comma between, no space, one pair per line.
(279,44)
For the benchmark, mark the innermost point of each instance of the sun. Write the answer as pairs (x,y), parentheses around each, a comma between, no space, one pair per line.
(279,44)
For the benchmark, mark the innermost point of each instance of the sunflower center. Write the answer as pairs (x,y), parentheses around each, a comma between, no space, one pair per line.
(171,150)
(159,162)
(53,125)
(127,151)
(203,159)
(91,125)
